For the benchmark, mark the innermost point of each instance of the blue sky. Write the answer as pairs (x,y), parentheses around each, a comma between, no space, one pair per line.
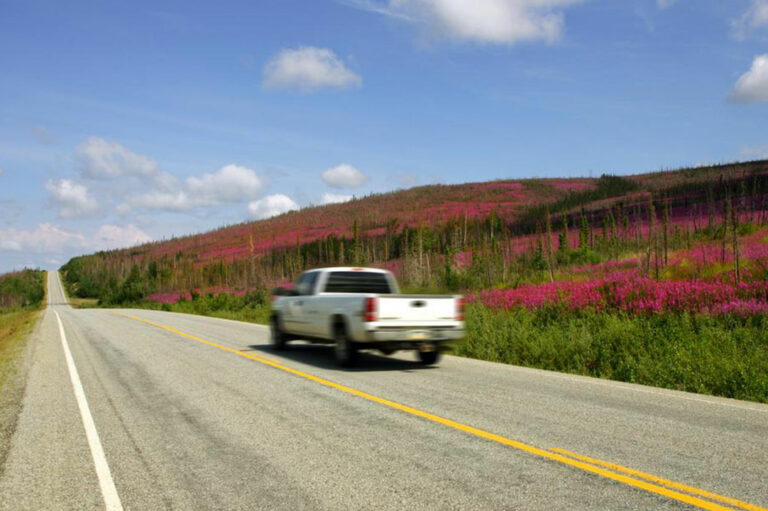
(126,121)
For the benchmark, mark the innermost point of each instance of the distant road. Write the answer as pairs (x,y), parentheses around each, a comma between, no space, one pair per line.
(157,410)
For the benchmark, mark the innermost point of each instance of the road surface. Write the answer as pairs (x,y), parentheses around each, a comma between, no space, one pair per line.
(141,409)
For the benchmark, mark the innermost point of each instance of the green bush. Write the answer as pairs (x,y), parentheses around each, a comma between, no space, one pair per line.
(22,289)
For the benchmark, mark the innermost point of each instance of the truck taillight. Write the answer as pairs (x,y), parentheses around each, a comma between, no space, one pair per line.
(460,308)
(370,312)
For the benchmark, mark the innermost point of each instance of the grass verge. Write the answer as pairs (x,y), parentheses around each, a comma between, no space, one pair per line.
(723,356)
(15,329)
(253,308)
(82,303)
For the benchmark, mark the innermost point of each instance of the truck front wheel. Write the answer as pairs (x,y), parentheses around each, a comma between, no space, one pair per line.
(345,350)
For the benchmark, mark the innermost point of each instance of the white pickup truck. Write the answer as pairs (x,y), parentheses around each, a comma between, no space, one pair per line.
(360,308)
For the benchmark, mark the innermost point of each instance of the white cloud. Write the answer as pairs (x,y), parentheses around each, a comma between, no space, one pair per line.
(73,199)
(759,152)
(488,21)
(752,86)
(1,172)
(45,238)
(123,209)
(271,205)
(332,198)
(665,4)
(169,201)
(230,184)
(755,18)
(114,236)
(307,69)
(101,158)
(52,240)
(344,176)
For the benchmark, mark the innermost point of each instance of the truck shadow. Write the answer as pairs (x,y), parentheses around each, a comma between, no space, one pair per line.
(320,355)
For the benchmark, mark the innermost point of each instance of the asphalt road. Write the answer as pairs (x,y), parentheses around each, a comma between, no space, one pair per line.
(199,413)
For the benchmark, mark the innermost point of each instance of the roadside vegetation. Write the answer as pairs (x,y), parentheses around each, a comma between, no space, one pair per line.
(718,355)
(660,279)
(253,306)
(22,294)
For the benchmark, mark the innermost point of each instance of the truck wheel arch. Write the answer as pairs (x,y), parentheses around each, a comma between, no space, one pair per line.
(338,321)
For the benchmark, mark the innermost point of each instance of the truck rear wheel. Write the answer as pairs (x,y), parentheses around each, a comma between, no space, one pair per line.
(278,337)
(344,350)
(429,357)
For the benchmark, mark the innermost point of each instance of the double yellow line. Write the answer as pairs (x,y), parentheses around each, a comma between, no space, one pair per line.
(680,492)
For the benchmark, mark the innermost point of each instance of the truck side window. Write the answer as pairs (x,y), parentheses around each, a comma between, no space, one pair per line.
(306,283)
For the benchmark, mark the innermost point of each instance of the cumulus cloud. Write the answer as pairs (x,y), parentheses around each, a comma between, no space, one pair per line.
(72,199)
(50,239)
(230,184)
(169,201)
(344,176)
(114,236)
(45,238)
(752,86)
(486,21)
(101,158)
(755,18)
(270,206)
(332,198)
(307,69)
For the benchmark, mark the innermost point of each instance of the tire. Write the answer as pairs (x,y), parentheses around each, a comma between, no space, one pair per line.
(279,339)
(345,350)
(428,358)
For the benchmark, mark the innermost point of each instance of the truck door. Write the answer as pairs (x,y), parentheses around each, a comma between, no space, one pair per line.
(296,320)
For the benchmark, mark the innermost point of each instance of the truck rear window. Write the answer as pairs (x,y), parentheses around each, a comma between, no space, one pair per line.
(357,282)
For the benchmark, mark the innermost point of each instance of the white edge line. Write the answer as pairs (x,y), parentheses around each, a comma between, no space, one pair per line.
(108,490)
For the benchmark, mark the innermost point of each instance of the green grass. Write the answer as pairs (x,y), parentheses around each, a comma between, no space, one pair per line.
(82,303)
(709,355)
(255,313)
(252,307)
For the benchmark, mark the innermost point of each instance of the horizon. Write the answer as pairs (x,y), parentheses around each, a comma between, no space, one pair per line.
(125,124)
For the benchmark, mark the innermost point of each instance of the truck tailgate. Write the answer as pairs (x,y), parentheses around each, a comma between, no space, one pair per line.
(416,308)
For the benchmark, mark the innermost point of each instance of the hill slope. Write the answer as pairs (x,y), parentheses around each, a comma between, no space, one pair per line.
(428,232)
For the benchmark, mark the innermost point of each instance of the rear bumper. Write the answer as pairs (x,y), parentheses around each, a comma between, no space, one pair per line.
(410,338)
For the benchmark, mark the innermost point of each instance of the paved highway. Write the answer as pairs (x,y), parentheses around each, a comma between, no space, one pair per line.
(150,410)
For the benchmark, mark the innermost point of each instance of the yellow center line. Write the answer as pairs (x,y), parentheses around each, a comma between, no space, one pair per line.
(665,482)
(621,478)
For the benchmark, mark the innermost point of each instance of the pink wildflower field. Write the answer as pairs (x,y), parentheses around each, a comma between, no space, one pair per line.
(708,284)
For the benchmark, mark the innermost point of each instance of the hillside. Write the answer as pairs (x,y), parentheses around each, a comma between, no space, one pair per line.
(424,205)
(465,236)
